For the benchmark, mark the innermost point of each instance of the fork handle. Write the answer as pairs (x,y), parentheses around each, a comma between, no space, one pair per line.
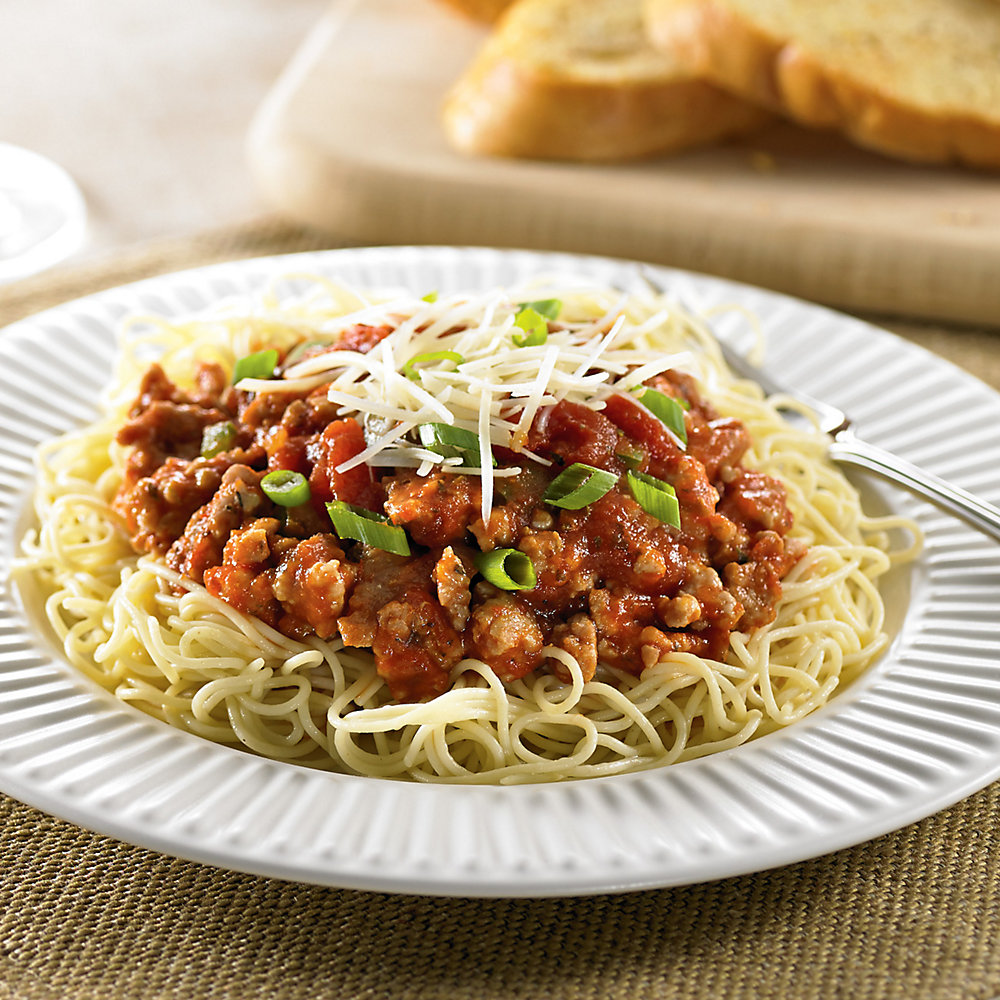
(977,512)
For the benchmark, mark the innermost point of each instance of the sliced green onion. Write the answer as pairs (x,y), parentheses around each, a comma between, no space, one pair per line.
(217,438)
(259,365)
(429,297)
(632,459)
(410,371)
(549,308)
(535,326)
(533,317)
(449,442)
(579,485)
(655,497)
(507,569)
(668,409)
(286,488)
(368,527)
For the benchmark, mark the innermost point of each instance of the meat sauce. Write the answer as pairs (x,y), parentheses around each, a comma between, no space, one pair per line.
(614,584)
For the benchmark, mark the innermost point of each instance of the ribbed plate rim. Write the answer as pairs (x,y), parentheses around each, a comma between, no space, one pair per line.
(854,771)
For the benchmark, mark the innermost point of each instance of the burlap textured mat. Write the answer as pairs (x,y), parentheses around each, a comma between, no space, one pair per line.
(912,915)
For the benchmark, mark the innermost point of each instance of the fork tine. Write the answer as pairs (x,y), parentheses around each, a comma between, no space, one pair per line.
(743,368)
(831,418)
(734,359)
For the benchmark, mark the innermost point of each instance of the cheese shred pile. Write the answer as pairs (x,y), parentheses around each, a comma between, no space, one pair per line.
(476,376)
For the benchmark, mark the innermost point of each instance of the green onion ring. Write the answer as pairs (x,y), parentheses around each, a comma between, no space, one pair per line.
(410,371)
(535,326)
(449,442)
(286,488)
(632,459)
(366,526)
(655,497)
(579,485)
(259,365)
(549,308)
(508,569)
(669,410)
(217,438)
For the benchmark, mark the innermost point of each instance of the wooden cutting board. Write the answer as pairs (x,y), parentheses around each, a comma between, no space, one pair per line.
(349,140)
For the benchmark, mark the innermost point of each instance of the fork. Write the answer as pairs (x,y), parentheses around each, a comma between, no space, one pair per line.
(848,449)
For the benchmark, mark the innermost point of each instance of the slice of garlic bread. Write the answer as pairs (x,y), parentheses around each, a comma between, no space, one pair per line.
(579,80)
(918,79)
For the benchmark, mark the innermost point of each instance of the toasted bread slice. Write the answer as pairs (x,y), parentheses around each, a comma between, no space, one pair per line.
(918,79)
(579,80)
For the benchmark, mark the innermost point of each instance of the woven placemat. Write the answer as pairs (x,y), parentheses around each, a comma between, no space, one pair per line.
(915,914)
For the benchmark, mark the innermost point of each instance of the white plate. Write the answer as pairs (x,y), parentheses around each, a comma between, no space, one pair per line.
(920,731)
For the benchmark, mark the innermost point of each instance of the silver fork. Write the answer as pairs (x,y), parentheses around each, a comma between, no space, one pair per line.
(847,448)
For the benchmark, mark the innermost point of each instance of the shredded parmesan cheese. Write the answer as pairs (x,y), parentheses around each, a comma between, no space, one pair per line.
(495,391)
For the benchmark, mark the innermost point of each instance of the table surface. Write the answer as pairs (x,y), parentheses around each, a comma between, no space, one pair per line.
(83,916)
(146,104)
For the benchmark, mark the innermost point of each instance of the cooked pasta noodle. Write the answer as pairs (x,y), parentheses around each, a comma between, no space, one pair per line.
(163,643)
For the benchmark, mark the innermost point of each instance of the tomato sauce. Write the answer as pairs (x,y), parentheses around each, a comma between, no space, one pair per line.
(614,583)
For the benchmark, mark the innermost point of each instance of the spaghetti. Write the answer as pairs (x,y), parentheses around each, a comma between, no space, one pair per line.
(777,609)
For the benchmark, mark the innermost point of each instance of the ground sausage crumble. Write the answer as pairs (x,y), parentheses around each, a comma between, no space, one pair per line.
(614,584)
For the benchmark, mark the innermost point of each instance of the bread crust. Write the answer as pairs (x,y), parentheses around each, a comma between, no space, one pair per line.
(504,111)
(505,105)
(778,73)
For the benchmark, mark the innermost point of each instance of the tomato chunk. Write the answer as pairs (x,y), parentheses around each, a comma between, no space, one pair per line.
(340,441)
(362,338)
(644,428)
(571,432)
